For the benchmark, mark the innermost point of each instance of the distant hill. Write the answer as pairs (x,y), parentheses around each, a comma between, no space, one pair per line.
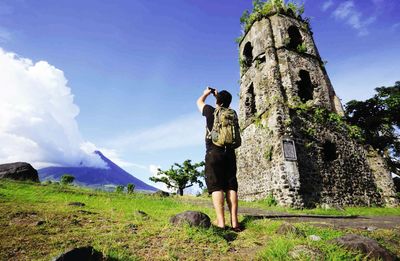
(95,177)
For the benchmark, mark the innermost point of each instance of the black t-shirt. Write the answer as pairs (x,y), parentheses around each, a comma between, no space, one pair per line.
(208,112)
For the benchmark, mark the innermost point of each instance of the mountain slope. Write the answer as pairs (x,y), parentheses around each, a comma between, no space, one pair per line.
(90,176)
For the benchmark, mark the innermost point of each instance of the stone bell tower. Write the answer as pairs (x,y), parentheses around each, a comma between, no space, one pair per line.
(300,161)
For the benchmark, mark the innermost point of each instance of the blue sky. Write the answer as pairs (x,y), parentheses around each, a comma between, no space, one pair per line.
(136,68)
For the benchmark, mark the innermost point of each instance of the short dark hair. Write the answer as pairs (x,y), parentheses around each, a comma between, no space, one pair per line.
(224,98)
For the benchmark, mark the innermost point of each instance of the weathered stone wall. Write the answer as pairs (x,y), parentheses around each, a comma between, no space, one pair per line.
(333,168)
(274,77)
(262,169)
(383,178)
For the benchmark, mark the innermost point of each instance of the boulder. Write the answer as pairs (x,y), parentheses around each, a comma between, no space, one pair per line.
(87,253)
(368,246)
(287,228)
(18,171)
(193,218)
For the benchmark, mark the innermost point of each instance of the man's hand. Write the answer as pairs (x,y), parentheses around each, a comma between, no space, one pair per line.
(207,92)
(201,100)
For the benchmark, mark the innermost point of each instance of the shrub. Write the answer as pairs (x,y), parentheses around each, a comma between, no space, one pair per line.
(270,200)
(119,189)
(67,179)
(47,182)
(302,48)
(130,188)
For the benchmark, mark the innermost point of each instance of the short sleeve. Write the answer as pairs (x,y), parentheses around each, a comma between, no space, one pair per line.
(208,110)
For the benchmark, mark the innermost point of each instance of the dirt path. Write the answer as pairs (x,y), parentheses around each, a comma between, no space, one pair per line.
(336,222)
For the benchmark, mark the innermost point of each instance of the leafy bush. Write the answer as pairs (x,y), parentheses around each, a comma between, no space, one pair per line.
(302,48)
(119,189)
(130,188)
(67,179)
(264,8)
(270,200)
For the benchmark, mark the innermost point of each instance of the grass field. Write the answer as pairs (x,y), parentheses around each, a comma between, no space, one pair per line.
(37,223)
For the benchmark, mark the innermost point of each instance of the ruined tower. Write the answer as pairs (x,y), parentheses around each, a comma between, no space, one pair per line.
(295,146)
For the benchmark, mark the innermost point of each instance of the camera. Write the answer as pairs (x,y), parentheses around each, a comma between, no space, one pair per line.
(212,90)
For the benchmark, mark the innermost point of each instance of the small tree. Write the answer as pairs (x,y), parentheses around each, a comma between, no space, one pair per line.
(119,189)
(130,188)
(184,176)
(67,179)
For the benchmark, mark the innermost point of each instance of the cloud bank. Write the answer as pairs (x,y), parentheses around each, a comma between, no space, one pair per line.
(348,13)
(186,131)
(37,116)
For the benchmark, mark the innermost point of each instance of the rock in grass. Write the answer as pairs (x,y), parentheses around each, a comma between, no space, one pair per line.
(40,222)
(19,171)
(87,253)
(77,204)
(132,228)
(301,252)
(287,228)
(366,245)
(193,218)
(141,214)
(314,237)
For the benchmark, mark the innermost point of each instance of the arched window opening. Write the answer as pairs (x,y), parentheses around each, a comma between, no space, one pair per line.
(250,103)
(295,37)
(329,150)
(305,86)
(248,54)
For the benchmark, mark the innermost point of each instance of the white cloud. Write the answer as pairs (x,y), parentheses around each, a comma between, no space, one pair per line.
(395,26)
(183,132)
(153,169)
(347,12)
(326,5)
(111,154)
(37,113)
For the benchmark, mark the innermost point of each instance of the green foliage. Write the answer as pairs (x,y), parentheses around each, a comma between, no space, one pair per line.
(268,152)
(264,8)
(270,200)
(378,122)
(119,189)
(278,248)
(296,8)
(67,179)
(130,188)
(48,182)
(309,145)
(184,176)
(243,65)
(302,48)
(323,116)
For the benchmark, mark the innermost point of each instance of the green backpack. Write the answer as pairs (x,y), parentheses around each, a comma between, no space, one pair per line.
(225,131)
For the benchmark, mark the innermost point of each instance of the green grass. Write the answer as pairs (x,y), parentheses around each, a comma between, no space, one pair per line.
(348,211)
(106,222)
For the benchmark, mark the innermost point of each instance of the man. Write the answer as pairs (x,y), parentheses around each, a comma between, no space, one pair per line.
(220,167)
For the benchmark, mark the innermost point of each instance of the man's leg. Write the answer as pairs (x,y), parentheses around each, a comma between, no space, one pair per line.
(218,201)
(232,200)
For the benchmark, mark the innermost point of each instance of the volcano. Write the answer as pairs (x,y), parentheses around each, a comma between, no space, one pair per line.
(96,177)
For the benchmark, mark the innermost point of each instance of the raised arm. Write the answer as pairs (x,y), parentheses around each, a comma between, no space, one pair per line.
(201,100)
